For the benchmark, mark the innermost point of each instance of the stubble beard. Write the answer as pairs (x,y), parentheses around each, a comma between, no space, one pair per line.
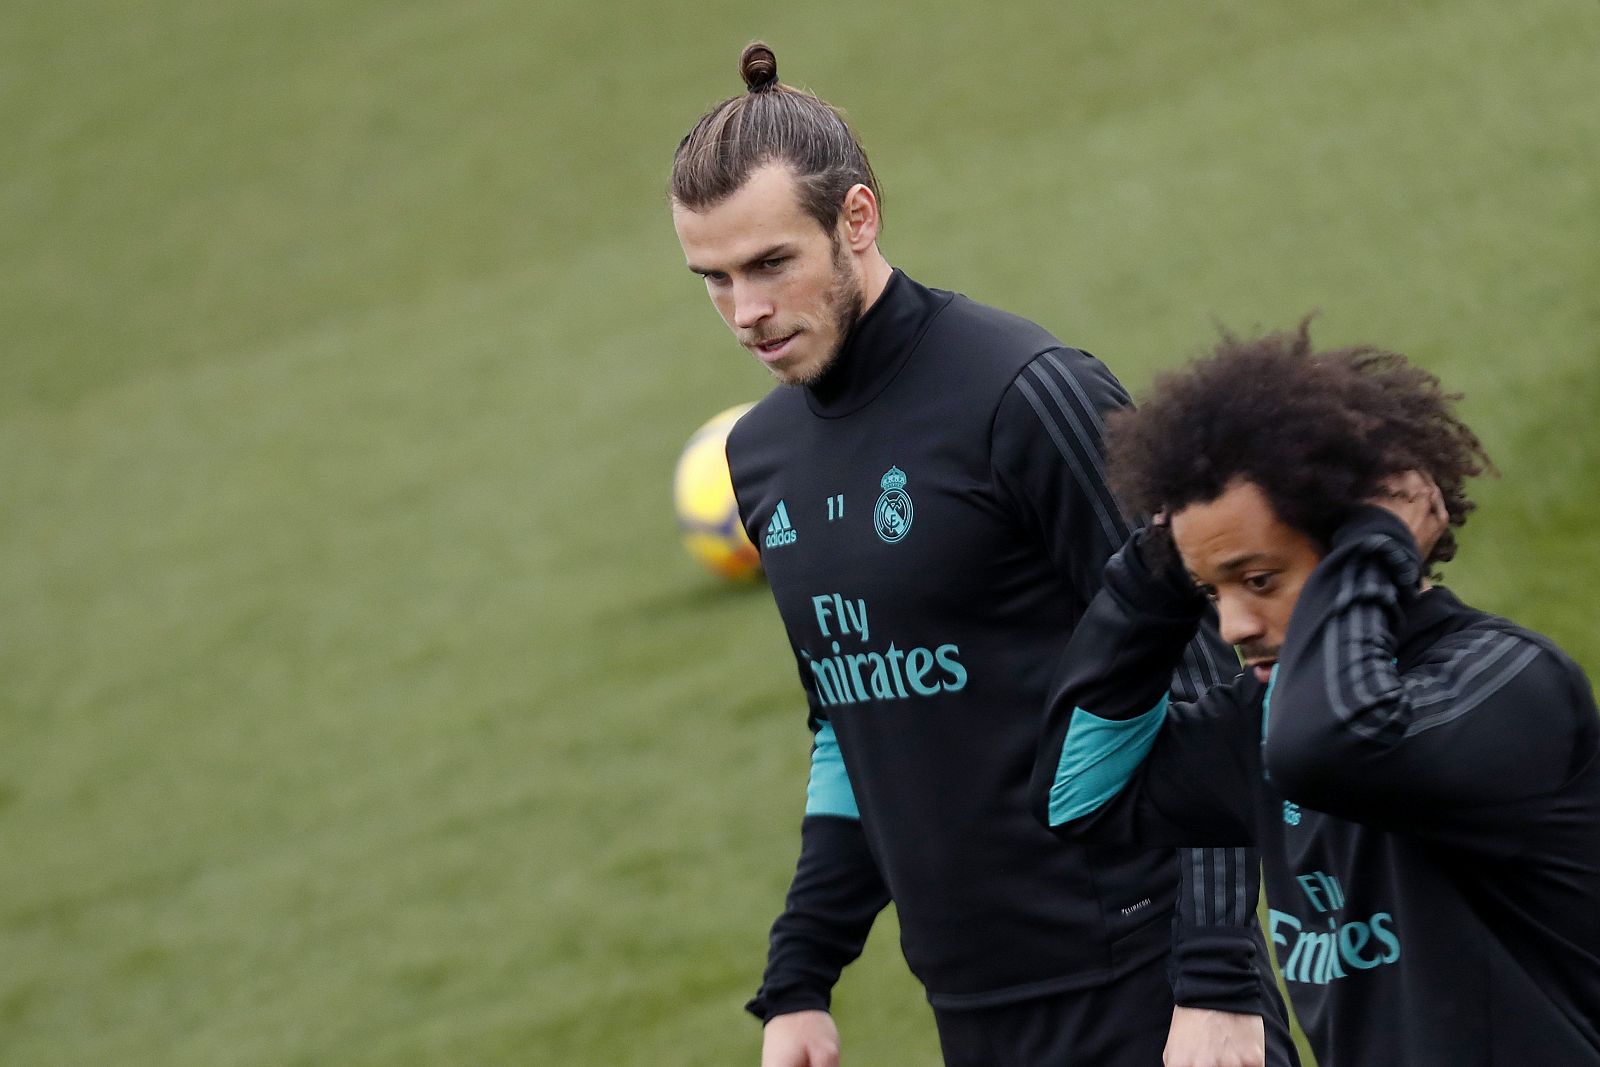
(1258,650)
(842,305)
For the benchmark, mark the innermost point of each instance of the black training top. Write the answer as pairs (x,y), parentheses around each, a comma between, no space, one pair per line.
(933,518)
(1423,780)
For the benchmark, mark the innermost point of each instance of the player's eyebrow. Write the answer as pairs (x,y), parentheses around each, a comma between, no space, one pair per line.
(774,252)
(1238,563)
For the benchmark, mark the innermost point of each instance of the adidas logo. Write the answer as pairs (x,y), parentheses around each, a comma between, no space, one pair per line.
(779,532)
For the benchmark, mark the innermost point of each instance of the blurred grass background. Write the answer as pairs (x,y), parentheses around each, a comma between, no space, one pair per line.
(357,705)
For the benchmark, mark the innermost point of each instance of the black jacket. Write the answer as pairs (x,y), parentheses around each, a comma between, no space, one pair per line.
(1423,780)
(933,519)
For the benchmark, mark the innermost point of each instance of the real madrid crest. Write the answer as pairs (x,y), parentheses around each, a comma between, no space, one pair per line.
(892,514)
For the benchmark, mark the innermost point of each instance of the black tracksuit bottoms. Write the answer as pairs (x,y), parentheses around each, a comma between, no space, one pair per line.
(1123,1024)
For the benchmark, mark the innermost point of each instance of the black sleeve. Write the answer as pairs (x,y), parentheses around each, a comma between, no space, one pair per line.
(1048,449)
(834,898)
(1121,760)
(837,890)
(1213,966)
(1485,717)
(1048,455)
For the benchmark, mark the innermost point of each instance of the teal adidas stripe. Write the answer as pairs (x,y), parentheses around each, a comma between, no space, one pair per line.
(1099,757)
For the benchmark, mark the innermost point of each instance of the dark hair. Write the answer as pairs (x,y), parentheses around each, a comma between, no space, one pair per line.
(771,123)
(1317,431)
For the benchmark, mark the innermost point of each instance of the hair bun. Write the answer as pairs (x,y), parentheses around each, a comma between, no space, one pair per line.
(758,67)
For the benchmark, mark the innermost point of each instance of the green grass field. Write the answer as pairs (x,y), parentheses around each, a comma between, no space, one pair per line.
(357,705)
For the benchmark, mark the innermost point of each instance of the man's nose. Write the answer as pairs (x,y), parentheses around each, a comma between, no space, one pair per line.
(750,305)
(1236,622)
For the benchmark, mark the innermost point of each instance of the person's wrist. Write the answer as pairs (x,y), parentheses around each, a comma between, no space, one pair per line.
(1377,531)
(771,1003)
(1370,520)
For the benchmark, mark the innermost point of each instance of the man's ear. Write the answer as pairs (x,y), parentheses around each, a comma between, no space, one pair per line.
(859,220)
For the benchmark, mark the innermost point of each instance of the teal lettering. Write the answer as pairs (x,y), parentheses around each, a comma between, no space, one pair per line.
(1352,939)
(1321,958)
(855,617)
(850,694)
(1276,919)
(895,656)
(880,677)
(1312,887)
(946,655)
(894,673)
(820,604)
(1316,969)
(919,661)
(827,677)
(1295,968)
(1390,942)
(1333,968)
(855,660)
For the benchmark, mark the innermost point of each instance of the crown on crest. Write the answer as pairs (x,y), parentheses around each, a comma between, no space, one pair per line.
(895,478)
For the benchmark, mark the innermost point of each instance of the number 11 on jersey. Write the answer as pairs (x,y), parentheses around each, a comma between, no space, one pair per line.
(836,507)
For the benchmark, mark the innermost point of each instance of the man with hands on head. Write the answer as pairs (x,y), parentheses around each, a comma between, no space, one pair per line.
(1422,778)
(926,488)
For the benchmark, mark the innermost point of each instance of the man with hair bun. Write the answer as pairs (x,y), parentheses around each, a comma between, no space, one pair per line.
(1422,778)
(927,491)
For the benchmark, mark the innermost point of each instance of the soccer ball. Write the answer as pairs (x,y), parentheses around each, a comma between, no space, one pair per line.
(708,515)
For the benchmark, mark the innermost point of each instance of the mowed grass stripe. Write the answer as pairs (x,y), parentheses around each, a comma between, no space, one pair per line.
(356,705)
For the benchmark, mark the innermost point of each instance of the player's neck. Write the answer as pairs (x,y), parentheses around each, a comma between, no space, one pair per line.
(876,273)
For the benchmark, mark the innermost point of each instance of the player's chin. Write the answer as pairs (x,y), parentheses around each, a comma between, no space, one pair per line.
(797,372)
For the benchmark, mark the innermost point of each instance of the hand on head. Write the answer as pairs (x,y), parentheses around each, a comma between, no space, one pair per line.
(1415,499)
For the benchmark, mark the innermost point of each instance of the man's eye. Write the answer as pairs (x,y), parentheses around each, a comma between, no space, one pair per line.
(772,264)
(1208,591)
(1258,583)
(715,277)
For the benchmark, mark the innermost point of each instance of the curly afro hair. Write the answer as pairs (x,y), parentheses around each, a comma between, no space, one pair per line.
(1317,431)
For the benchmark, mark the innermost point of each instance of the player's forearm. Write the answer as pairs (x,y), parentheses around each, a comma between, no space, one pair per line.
(836,894)
(1483,716)
(1339,696)
(1217,940)
(1110,698)
(1132,640)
